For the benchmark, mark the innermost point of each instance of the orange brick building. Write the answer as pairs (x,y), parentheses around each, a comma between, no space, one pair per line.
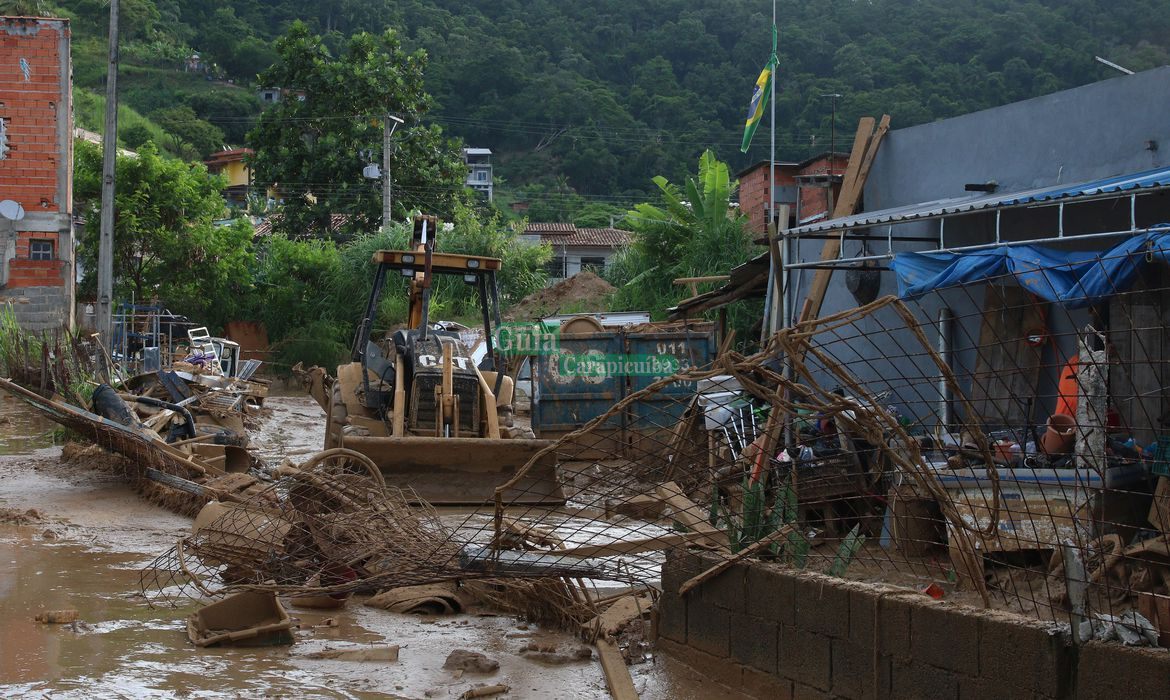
(809,188)
(36,171)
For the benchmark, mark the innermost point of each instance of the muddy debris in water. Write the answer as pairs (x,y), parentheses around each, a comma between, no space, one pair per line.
(13,516)
(484,691)
(57,617)
(388,652)
(470,662)
(428,599)
(551,653)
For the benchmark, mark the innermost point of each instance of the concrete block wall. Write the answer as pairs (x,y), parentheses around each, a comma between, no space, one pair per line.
(38,308)
(767,632)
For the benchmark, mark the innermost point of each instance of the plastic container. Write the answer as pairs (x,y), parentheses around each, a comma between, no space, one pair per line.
(1059,437)
(242,619)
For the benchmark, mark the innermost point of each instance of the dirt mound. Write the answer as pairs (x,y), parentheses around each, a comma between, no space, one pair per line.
(584,291)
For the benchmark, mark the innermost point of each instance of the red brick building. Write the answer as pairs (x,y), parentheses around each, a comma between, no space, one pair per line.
(754,190)
(809,188)
(36,171)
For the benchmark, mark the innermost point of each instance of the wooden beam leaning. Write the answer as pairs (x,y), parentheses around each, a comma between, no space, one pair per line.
(860,163)
(726,564)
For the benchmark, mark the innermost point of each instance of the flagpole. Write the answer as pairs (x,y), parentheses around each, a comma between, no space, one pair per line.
(772,150)
(772,229)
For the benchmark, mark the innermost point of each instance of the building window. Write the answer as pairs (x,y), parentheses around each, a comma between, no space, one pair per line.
(594,265)
(481,175)
(40,250)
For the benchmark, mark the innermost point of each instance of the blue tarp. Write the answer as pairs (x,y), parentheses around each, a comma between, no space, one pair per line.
(1073,279)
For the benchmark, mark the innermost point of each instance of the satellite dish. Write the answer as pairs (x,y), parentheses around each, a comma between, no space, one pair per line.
(11,210)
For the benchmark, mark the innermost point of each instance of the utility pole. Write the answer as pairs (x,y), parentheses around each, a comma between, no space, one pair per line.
(105,271)
(389,124)
(833,127)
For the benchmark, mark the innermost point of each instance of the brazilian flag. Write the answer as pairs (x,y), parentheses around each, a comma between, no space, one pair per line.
(756,109)
(759,97)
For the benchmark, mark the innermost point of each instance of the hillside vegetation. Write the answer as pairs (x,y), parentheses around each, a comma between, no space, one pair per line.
(584,102)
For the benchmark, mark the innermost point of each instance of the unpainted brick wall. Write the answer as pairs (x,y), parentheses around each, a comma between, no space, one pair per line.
(31,105)
(768,632)
(36,169)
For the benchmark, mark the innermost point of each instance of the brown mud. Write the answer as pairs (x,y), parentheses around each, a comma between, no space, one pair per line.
(90,535)
(583,291)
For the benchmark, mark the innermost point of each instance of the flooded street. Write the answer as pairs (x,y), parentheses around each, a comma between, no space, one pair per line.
(74,536)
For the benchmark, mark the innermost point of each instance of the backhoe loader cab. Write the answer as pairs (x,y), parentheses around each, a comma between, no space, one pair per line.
(418,405)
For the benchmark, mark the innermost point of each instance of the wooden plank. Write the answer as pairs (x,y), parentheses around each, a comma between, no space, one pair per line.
(1007,367)
(851,189)
(726,564)
(617,674)
(1139,333)
(690,515)
(651,544)
(861,141)
(618,615)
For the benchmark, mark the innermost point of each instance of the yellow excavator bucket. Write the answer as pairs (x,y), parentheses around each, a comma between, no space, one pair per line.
(463,471)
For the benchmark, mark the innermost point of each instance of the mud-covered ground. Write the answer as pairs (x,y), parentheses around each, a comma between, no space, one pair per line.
(73,535)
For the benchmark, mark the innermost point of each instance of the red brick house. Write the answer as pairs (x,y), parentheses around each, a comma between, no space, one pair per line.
(809,188)
(754,190)
(36,171)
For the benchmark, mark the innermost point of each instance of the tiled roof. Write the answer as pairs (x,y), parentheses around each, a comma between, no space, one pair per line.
(543,227)
(600,237)
(569,235)
(227,156)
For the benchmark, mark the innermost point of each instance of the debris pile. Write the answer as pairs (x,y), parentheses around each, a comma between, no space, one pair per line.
(582,290)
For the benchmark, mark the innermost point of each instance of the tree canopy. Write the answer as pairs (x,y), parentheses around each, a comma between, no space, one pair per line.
(167,244)
(593,99)
(313,144)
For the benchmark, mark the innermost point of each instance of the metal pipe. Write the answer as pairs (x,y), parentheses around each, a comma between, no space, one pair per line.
(1029,204)
(946,319)
(982,246)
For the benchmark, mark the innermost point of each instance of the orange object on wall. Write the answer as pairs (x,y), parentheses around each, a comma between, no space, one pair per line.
(1066,402)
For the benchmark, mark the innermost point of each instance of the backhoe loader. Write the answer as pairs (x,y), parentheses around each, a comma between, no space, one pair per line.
(416,403)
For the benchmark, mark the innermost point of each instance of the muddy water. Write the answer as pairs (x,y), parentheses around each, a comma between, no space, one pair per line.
(95,535)
(21,428)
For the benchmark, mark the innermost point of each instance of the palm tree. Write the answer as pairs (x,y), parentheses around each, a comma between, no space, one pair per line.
(697,235)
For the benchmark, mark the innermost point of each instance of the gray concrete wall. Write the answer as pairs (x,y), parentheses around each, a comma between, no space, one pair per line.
(39,308)
(768,632)
(1094,131)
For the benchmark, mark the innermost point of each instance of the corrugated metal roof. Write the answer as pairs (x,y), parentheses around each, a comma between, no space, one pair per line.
(939,208)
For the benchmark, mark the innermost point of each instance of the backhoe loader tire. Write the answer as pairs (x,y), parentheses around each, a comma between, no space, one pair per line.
(335,421)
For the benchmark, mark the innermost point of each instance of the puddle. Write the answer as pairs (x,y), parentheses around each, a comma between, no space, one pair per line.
(104,533)
(22,429)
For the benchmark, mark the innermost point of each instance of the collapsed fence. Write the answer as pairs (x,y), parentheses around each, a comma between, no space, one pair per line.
(978,442)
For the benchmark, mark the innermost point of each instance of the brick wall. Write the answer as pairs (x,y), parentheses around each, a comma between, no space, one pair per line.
(767,632)
(36,170)
(816,200)
(754,190)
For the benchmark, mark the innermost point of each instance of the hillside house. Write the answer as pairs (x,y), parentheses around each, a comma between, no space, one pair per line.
(576,249)
(809,188)
(479,170)
(230,163)
(36,171)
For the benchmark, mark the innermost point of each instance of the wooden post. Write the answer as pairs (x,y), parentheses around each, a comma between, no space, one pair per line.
(865,148)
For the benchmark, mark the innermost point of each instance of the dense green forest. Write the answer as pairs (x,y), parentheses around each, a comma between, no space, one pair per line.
(584,102)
